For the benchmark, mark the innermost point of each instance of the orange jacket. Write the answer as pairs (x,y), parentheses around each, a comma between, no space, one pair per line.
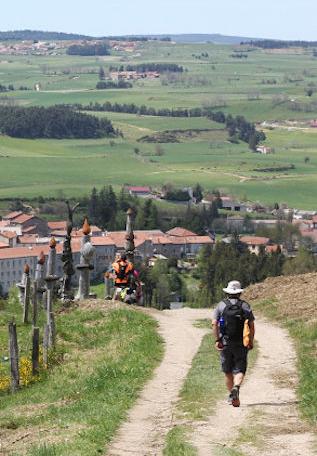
(122,275)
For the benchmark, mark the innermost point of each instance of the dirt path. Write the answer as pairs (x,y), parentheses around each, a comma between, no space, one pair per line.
(149,421)
(268,412)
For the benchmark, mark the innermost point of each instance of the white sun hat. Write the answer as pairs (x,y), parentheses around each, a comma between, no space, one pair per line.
(234,287)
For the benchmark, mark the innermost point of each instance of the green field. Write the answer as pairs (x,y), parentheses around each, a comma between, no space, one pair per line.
(260,87)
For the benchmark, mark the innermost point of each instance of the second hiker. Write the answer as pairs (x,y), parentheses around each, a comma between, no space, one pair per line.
(233,328)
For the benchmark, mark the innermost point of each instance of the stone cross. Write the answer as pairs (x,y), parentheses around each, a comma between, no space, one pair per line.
(87,252)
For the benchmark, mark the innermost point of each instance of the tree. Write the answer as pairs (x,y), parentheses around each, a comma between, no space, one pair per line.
(102,74)
(198,193)
(93,206)
(302,263)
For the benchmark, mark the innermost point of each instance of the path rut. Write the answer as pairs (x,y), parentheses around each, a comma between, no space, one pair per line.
(268,400)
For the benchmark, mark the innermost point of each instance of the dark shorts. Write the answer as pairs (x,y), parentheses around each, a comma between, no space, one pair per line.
(234,359)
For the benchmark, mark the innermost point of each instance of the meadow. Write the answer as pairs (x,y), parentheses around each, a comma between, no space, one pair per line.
(265,86)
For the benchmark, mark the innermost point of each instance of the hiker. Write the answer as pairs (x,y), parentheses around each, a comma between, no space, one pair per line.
(122,271)
(233,329)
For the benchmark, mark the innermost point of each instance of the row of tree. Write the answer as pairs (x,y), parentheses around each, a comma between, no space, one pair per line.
(108,210)
(121,84)
(218,265)
(238,127)
(89,49)
(144,67)
(53,122)
(279,44)
(8,88)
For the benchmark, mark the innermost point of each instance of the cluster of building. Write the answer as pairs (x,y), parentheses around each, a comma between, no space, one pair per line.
(29,47)
(133,75)
(24,237)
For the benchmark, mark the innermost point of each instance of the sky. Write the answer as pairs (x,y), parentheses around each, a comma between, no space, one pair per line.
(280,19)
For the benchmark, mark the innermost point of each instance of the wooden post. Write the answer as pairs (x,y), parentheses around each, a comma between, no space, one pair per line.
(26,300)
(14,357)
(45,345)
(34,303)
(35,350)
(52,331)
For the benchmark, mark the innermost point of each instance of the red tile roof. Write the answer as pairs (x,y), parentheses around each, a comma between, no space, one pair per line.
(29,229)
(102,240)
(12,215)
(8,234)
(178,231)
(183,240)
(20,219)
(61,225)
(254,240)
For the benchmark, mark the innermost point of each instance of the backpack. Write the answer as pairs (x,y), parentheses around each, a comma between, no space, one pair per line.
(234,318)
(121,274)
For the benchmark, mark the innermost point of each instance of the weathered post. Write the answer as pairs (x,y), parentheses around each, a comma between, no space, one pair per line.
(39,277)
(14,357)
(46,336)
(50,280)
(27,290)
(130,247)
(34,303)
(68,268)
(21,287)
(87,252)
(35,350)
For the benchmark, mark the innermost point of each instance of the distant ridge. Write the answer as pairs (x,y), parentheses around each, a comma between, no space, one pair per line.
(178,38)
(215,38)
(40,35)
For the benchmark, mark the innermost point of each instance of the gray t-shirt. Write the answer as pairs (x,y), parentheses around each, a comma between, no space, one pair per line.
(245,307)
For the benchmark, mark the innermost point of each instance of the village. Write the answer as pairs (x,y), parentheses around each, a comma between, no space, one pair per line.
(45,48)
(26,237)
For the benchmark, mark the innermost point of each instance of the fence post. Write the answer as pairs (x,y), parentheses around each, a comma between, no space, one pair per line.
(14,357)
(52,331)
(46,344)
(26,298)
(34,303)
(35,350)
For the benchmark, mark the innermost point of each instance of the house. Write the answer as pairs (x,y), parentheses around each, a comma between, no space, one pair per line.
(255,243)
(9,238)
(265,150)
(142,192)
(57,226)
(180,232)
(31,224)
(232,205)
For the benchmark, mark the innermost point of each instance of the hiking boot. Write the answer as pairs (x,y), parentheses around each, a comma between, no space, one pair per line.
(235,397)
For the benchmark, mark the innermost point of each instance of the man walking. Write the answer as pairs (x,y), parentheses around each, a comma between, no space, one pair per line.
(233,329)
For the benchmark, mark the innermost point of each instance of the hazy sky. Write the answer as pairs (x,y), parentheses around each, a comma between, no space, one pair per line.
(288,19)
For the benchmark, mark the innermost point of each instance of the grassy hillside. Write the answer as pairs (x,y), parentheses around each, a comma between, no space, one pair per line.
(105,357)
(291,301)
(264,85)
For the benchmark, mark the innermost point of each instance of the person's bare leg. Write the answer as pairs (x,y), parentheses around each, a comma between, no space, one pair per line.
(229,381)
(238,379)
